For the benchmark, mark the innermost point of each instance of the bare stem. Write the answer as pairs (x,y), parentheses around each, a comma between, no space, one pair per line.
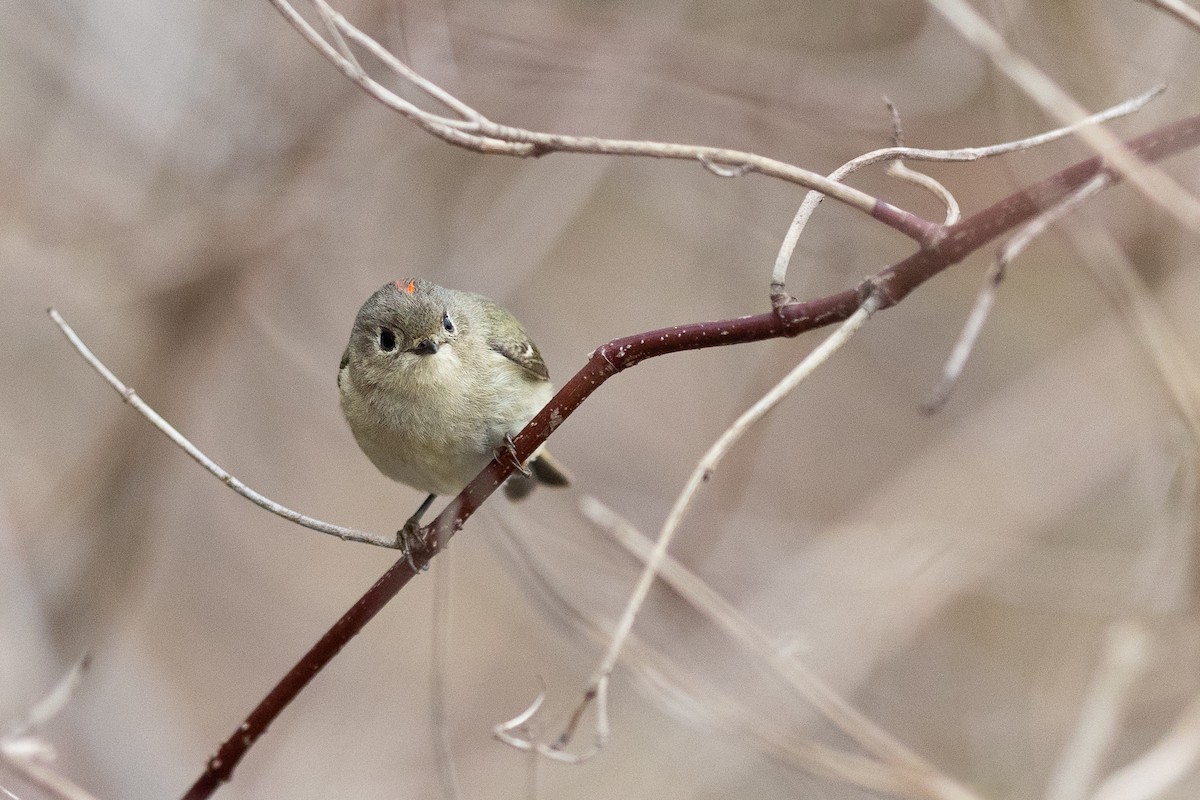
(894,284)
(260,500)
(991,282)
(1123,660)
(597,691)
(473,131)
(1170,760)
(1180,10)
(962,154)
(1054,101)
(906,767)
(25,753)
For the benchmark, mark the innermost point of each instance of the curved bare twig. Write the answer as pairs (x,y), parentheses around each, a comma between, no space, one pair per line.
(471,130)
(1154,184)
(219,472)
(597,690)
(961,154)
(991,282)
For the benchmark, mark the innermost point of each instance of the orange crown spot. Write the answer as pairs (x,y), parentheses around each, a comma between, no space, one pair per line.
(407,288)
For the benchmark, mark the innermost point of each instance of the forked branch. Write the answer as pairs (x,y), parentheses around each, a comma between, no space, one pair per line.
(598,689)
(893,284)
(939,246)
(468,128)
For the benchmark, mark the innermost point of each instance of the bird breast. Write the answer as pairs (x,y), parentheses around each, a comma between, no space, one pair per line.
(436,420)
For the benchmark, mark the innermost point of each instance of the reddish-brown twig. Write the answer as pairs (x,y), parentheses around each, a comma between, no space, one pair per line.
(948,247)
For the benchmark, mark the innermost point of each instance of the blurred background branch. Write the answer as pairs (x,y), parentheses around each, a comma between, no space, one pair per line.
(214,203)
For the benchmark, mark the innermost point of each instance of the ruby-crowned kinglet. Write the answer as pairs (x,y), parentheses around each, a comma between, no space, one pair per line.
(434,381)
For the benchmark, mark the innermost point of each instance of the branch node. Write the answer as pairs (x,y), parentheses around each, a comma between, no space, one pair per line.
(780,297)
(897,127)
(516,732)
(723,170)
(873,293)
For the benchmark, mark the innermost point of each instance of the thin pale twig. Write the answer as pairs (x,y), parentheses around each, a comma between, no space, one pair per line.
(660,673)
(53,702)
(1180,10)
(197,455)
(962,154)
(504,730)
(1158,338)
(898,169)
(437,123)
(991,282)
(722,171)
(893,284)
(1162,766)
(331,25)
(713,457)
(1124,658)
(906,766)
(507,732)
(599,683)
(476,132)
(25,753)
(1154,184)
(56,785)
(399,68)
(957,360)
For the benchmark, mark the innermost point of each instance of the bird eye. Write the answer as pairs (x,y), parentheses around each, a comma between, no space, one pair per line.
(447,323)
(387,340)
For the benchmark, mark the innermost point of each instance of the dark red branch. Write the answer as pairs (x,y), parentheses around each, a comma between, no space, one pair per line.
(947,246)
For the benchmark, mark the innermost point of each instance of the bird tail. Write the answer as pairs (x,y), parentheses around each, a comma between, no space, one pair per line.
(543,468)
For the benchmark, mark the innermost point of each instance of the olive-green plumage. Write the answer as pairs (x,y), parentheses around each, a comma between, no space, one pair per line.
(434,381)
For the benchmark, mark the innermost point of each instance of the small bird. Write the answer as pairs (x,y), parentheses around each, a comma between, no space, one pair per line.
(434,382)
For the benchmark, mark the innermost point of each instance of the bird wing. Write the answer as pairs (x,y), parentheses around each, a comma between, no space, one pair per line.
(517,347)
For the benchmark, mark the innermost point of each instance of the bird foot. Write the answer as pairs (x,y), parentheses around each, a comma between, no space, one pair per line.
(409,540)
(509,448)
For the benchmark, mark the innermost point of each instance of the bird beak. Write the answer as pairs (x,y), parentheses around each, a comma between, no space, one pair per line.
(425,347)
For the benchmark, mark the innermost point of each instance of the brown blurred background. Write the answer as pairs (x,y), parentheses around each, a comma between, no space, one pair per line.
(208,202)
